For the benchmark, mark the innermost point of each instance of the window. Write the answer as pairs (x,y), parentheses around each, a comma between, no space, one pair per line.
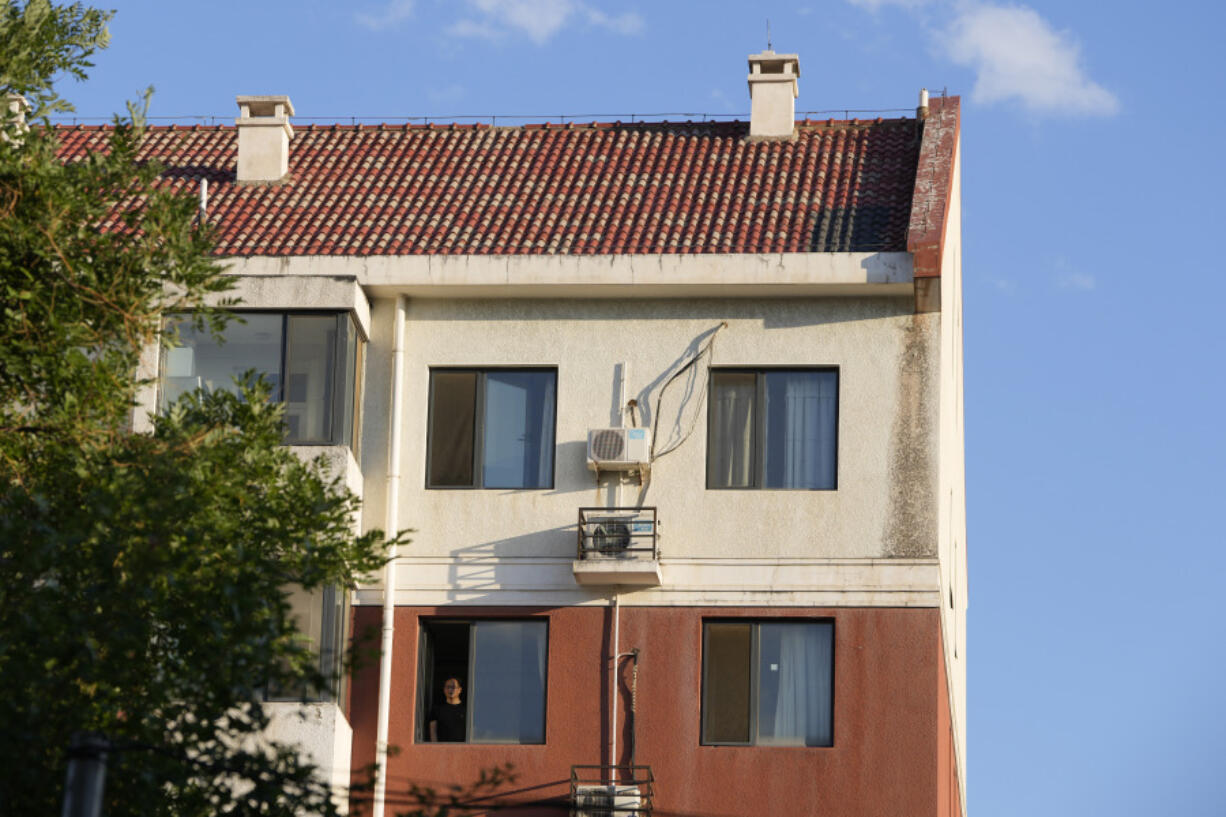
(500,668)
(491,429)
(311,360)
(768,683)
(773,428)
(320,618)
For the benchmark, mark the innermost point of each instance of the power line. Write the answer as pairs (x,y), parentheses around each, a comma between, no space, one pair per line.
(508,119)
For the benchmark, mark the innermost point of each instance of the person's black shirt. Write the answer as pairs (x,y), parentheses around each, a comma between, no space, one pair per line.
(450,720)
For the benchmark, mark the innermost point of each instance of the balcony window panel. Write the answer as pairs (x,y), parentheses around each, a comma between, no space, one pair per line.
(319,618)
(312,362)
(310,367)
(251,342)
(349,371)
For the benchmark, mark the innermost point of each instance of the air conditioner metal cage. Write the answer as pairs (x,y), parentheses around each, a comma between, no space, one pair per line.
(611,791)
(628,533)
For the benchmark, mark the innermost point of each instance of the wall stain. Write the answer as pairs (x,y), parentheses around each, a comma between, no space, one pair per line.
(911,524)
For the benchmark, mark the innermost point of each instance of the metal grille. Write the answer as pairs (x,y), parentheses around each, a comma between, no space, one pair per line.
(610,536)
(609,444)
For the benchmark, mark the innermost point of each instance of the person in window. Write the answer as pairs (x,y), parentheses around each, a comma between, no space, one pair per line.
(447,717)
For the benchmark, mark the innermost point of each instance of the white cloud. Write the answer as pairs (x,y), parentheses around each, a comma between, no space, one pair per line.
(1004,286)
(475,30)
(1018,56)
(874,5)
(539,19)
(628,23)
(1069,277)
(395,11)
(1077,280)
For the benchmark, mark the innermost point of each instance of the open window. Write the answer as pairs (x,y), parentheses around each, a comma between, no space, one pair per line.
(500,666)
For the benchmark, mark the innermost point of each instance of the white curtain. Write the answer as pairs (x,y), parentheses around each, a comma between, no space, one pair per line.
(731,453)
(544,475)
(800,445)
(803,702)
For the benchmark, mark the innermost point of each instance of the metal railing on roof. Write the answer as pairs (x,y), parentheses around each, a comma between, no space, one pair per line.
(494,120)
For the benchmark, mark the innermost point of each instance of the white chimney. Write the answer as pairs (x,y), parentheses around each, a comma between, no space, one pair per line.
(264,132)
(772,94)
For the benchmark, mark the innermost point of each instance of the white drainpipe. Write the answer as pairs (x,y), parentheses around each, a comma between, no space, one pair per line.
(392,524)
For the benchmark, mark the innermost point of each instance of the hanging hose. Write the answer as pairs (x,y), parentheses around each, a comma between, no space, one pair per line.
(634,707)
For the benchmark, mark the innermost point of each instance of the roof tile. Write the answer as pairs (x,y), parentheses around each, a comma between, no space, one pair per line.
(594,188)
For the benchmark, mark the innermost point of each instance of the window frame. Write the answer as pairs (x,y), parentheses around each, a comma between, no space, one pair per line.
(345,434)
(482,372)
(421,712)
(759,431)
(328,646)
(755,625)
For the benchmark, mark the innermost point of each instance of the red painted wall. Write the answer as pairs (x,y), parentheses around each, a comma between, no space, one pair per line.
(891,752)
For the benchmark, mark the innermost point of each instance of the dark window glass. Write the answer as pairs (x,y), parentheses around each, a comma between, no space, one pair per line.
(491,429)
(773,429)
(310,366)
(501,668)
(320,618)
(726,683)
(310,360)
(768,683)
(452,418)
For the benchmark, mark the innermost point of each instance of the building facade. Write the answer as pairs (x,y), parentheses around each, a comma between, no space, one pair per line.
(675,410)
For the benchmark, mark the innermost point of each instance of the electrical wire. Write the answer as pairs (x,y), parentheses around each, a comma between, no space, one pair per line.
(655,420)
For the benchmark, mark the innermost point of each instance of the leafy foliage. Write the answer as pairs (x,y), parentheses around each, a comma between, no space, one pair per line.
(143,577)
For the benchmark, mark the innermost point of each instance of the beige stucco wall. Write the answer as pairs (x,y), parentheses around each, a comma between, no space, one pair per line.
(952,480)
(323,737)
(788,547)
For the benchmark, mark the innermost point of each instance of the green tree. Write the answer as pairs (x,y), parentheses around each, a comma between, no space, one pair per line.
(142,576)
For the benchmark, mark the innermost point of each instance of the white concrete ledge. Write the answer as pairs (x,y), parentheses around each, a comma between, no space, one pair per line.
(340,293)
(615,572)
(338,460)
(690,582)
(597,276)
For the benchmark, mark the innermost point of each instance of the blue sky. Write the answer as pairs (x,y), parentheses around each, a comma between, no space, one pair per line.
(1094,348)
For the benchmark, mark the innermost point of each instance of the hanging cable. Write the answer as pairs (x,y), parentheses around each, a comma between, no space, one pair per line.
(655,420)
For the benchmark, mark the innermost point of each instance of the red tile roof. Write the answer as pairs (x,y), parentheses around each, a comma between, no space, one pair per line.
(840,186)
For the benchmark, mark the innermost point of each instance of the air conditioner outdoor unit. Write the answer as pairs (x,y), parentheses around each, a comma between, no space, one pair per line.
(613,534)
(618,449)
(606,801)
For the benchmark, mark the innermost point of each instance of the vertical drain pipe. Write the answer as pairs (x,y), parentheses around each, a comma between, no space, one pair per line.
(392,524)
(613,655)
(616,646)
